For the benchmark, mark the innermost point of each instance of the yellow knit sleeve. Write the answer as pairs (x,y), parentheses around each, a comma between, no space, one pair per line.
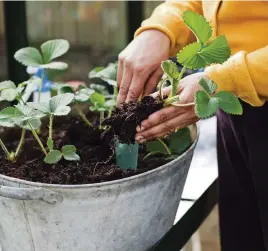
(167,18)
(245,75)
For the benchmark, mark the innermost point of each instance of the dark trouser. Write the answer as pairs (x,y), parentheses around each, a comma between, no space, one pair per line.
(242,143)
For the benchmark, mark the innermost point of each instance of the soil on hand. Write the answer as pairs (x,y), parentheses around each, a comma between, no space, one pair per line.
(97,162)
(128,116)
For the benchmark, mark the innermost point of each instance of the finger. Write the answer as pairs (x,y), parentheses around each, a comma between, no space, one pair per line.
(125,83)
(137,85)
(159,117)
(162,134)
(119,71)
(152,82)
(168,127)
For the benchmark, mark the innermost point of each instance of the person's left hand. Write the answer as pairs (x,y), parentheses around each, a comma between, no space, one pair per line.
(169,119)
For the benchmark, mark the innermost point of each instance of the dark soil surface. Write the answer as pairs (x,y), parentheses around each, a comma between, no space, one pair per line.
(127,117)
(97,162)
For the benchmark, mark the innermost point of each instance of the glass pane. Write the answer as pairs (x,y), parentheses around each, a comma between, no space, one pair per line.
(96,31)
(3,61)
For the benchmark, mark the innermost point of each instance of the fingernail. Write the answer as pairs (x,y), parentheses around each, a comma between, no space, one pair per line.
(142,141)
(138,138)
(140,128)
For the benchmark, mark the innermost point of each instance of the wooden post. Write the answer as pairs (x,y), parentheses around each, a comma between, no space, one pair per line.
(134,17)
(16,37)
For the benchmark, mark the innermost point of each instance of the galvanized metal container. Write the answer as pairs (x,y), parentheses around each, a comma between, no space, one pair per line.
(131,214)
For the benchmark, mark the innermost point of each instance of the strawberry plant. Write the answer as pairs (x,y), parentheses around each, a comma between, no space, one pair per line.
(196,56)
(49,51)
(27,115)
(204,52)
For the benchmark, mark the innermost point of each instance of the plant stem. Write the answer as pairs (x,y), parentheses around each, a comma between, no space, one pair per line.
(110,113)
(5,149)
(182,72)
(161,86)
(50,126)
(101,118)
(83,117)
(20,143)
(41,85)
(37,139)
(114,98)
(19,99)
(164,144)
(175,86)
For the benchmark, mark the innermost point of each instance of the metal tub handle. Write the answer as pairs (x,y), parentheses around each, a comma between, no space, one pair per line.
(35,193)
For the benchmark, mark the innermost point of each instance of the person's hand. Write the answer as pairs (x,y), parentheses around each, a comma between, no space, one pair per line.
(139,65)
(168,119)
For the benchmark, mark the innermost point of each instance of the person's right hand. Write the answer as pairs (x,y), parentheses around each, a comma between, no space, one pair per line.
(139,65)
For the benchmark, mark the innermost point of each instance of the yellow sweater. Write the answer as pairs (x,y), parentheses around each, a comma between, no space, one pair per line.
(245,25)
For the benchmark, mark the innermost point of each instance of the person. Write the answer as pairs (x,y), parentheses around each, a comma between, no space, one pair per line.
(242,141)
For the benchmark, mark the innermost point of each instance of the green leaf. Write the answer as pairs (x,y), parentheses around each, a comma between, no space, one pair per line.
(93,72)
(20,89)
(8,94)
(29,57)
(6,123)
(6,116)
(83,94)
(62,111)
(156,146)
(53,157)
(198,25)
(190,58)
(68,148)
(150,154)
(10,112)
(54,48)
(41,106)
(31,85)
(205,106)
(110,81)
(69,153)
(50,144)
(217,51)
(179,141)
(99,88)
(60,100)
(110,103)
(229,103)
(170,68)
(92,108)
(195,56)
(29,112)
(35,123)
(97,98)
(55,66)
(208,85)
(71,156)
(7,85)
(102,109)
(66,89)
(108,73)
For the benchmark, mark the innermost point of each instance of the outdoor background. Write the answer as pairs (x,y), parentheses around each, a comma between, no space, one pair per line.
(97,32)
